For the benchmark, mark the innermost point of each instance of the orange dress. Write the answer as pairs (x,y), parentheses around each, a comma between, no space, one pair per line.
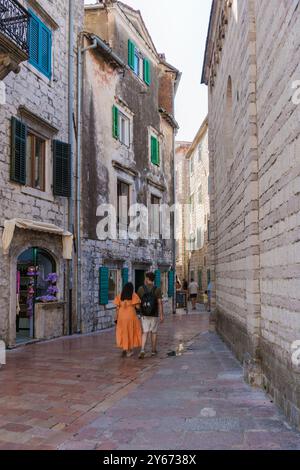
(129,330)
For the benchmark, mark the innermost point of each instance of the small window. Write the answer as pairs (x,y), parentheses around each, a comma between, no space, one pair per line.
(123,208)
(35,154)
(121,126)
(124,126)
(155,216)
(199,238)
(113,284)
(155,150)
(138,63)
(40,45)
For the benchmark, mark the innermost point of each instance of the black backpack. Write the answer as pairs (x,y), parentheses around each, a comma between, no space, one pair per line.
(149,303)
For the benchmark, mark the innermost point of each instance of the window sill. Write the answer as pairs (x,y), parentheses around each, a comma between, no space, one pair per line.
(38,74)
(37,194)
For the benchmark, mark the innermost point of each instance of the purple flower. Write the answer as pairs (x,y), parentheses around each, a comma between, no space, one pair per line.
(52,277)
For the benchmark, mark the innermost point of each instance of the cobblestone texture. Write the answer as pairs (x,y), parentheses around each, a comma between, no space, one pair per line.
(62,395)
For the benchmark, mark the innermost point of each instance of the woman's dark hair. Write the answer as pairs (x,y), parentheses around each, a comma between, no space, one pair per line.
(127,291)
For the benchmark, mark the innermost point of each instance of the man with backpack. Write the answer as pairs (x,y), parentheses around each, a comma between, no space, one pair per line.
(151,311)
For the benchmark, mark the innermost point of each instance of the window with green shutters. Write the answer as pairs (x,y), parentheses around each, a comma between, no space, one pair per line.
(147,72)
(138,63)
(40,45)
(18,151)
(103,285)
(61,169)
(155,151)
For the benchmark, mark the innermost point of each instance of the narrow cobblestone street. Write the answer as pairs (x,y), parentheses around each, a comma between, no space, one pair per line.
(78,393)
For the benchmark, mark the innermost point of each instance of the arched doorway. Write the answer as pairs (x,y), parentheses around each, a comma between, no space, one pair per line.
(33,267)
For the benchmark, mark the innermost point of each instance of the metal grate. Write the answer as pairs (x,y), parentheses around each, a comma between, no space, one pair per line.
(14,23)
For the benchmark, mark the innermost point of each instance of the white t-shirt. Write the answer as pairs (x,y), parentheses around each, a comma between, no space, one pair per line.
(193,288)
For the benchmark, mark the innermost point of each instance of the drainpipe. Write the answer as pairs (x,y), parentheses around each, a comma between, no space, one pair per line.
(71,143)
(81,51)
(174,225)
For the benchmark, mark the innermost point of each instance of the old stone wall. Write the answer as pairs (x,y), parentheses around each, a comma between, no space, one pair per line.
(106,160)
(46,100)
(254,162)
(278,46)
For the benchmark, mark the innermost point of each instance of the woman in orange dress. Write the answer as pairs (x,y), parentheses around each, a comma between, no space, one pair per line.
(129,330)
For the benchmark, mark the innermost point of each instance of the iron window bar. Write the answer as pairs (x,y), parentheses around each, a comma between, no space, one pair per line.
(14,23)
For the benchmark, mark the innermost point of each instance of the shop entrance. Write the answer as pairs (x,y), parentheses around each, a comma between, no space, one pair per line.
(33,267)
(139,278)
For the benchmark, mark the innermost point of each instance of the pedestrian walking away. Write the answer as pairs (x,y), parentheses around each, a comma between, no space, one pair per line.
(128,330)
(151,312)
(193,290)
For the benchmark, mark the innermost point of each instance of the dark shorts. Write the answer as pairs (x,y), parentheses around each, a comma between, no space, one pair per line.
(193,296)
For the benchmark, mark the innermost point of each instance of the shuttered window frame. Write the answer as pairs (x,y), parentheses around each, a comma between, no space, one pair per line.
(131,51)
(157,281)
(171,281)
(125,276)
(103,285)
(155,150)
(18,151)
(147,72)
(61,169)
(115,122)
(40,45)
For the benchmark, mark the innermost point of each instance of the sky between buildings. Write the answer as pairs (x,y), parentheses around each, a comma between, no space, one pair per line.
(179,29)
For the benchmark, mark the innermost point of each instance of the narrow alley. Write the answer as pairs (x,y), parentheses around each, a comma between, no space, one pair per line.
(78,393)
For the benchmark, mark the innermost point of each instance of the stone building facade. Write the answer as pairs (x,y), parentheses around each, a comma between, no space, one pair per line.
(127,150)
(251,68)
(182,192)
(198,216)
(34,131)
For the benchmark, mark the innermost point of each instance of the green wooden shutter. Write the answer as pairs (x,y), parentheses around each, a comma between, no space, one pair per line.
(125,274)
(46,48)
(154,150)
(158,152)
(18,151)
(34,40)
(103,285)
(157,281)
(131,50)
(171,279)
(61,169)
(147,72)
(115,122)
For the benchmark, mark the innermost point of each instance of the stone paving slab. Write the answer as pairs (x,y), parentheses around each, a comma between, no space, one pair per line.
(78,393)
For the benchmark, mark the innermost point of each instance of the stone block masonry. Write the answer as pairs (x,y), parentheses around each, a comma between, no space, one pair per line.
(255,203)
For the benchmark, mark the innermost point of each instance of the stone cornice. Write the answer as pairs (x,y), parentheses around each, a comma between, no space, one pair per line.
(215,40)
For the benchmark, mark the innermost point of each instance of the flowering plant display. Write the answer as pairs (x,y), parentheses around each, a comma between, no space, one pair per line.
(52,290)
